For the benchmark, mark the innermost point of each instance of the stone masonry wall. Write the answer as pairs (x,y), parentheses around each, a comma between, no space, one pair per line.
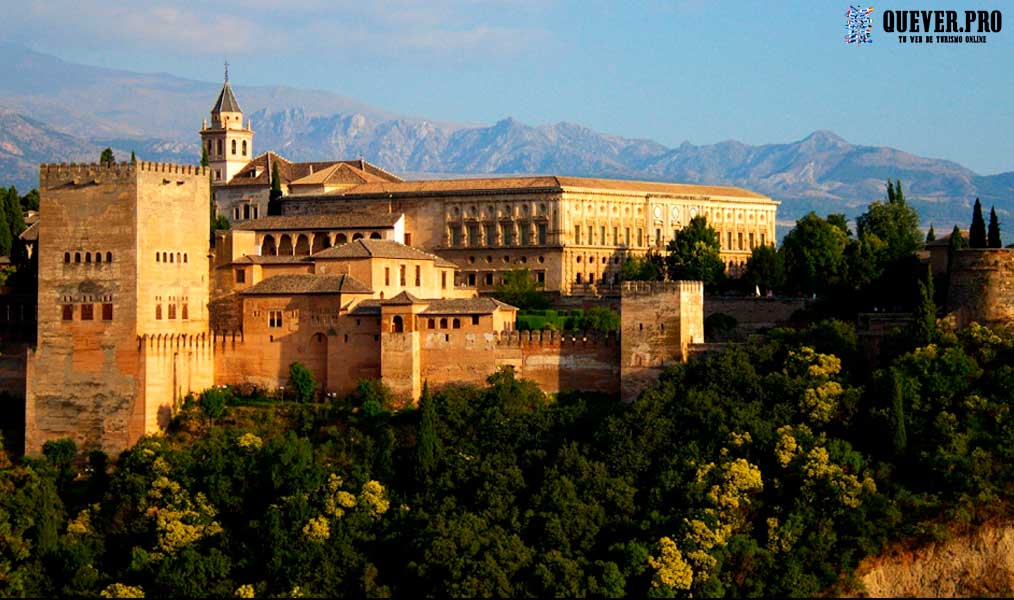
(982,287)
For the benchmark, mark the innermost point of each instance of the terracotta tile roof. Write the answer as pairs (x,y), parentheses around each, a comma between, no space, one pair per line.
(284,285)
(257,172)
(402,299)
(352,220)
(338,173)
(364,248)
(366,307)
(31,234)
(465,306)
(253,259)
(543,183)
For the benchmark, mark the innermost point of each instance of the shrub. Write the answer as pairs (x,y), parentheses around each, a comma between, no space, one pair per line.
(302,382)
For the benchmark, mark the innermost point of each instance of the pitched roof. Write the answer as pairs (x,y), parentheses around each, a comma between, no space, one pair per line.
(364,248)
(226,101)
(31,234)
(257,172)
(402,299)
(338,173)
(357,220)
(366,307)
(284,285)
(542,183)
(254,259)
(483,305)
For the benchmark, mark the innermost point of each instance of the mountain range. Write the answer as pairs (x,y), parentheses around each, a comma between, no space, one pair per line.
(56,111)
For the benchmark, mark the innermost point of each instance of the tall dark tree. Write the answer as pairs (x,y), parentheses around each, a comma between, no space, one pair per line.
(924,317)
(133,157)
(977,232)
(694,254)
(895,223)
(6,239)
(275,196)
(426,442)
(931,235)
(13,213)
(765,268)
(955,243)
(890,190)
(30,201)
(899,196)
(107,158)
(204,157)
(993,234)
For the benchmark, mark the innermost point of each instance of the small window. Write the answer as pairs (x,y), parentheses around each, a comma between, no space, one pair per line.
(475,319)
(87,312)
(107,312)
(98,257)
(186,314)
(443,280)
(418,275)
(68,312)
(158,312)
(178,256)
(432,323)
(240,276)
(274,318)
(109,257)
(170,257)
(456,324)
(158,257)
(165,257)
(443,323)
(88,257)
(184,257)
(234,146)
(244,147)
(77,257)
(172,312)
(387,275)
(66,257)
(402,270)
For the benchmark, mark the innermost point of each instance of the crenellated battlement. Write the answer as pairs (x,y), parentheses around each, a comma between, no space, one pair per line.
(517,339)
(174,341)
(53,174)
(651,288)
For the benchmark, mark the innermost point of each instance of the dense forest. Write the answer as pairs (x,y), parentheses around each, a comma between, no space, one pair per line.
(770,468)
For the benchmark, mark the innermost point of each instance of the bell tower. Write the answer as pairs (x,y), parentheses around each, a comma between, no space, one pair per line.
(228,143)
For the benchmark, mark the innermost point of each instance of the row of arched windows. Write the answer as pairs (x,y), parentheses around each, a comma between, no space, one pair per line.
(221,150)
(302,246)
(168,257)
(87,257)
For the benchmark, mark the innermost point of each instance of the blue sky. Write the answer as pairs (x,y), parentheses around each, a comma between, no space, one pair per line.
(672,71)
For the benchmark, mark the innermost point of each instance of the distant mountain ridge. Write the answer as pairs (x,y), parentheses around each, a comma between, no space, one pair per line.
(52,110)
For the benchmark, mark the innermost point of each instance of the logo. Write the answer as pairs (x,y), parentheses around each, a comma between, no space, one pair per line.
(858,25)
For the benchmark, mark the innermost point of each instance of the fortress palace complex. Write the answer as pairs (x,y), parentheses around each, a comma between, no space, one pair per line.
(350,271)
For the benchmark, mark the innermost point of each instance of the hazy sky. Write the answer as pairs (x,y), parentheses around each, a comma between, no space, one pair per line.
(672,71)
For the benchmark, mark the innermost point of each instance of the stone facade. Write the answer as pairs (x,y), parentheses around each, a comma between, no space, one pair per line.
(982,287)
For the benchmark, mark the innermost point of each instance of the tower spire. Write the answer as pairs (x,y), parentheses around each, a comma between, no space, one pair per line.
(227,71)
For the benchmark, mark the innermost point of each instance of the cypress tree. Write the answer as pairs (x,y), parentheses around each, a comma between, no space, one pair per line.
(900,435)
(924,316)
(276,182)
(426,443)
(899,196)
(133,159)
(931,236)
(955,243)
(890,190)
(204,157)
(12,211)
(993,235)
(977,232)
(6,240)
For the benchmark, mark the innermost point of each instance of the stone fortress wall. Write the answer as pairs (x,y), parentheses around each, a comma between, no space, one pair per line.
(982,287)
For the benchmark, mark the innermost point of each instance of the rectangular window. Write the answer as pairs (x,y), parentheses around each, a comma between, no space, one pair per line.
(432,324)
(418,275)
(543,234)
(751,241)
(616,236)
(274,318)
(488,278)
(408,239)
(740,236)
(540,277)
(87,312)
(186,313)
(762,239)
(658,237)
(443,280)
(640,237)
(526,235)
(158,312)
(387,275)
(507,232)
(475,319)
(591,238)
(473,234)
(172,312)
(577,234)
(602,235)
(490,234)
(591,277)
(728,240)
(401,271)
(68,312)
(471,279)
(456,235)
(107,312)
(626,236)
(240,276)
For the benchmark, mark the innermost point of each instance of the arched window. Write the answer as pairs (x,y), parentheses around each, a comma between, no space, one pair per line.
(244,147)
(66,257)
(220,150)
(184,257)
(456,323)
(235,213)
(209,147)
(88,257)
(285,245)
(109,257)
(234,147)
(357,236)
(397,324)
(246,211)
(374,236)
(165,257)
(98,257)
(443,323)
(170,257)
(268,247)
(158,257)
(432,324)
(158,312)
(341,238)
(77,257)
(178,257)
(302,245)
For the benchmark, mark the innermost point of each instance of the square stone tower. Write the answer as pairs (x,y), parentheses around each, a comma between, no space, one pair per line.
(123,295)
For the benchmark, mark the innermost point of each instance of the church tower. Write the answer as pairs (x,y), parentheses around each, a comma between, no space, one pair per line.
(229,145)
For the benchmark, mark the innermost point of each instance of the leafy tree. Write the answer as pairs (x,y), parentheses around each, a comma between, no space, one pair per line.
(977,232)
(213,402)
(813,253)
(931,236)
(640,268)
(993,234)
(765,268)
(694,254)
(30,201)
(839,221)
(518,288)
(302,382)
(596,318)
(61,454)
(894,222)
(107,158)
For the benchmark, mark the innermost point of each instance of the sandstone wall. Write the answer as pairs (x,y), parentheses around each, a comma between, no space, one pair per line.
(755,313)
(982,287)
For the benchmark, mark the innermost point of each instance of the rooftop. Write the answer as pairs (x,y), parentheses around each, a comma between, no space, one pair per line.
(284,285)
(226,101)
(364,248)
(257,172)
(332,221)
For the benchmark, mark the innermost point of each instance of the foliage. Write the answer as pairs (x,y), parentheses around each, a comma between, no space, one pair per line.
(894,222)
(30,201)
(977,231)
(107,158)
(649,267)
(213,402)
(813,253)
(765,268)
(518,288)
(302,382)
(596,318)
(719,326)
(993,234)
(924,318)
(694,254)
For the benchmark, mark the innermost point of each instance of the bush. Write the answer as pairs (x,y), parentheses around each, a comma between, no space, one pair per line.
(213,402)
(302,382)
(719,326)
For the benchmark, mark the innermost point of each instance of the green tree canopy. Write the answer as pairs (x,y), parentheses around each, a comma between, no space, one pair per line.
(641,268)
(977,232)
(302,382)
(107,158)
(694,254)
(518,288)
(813,253)
(894,222)
(30,201)
(13,212)
(765,268)
(993,234)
